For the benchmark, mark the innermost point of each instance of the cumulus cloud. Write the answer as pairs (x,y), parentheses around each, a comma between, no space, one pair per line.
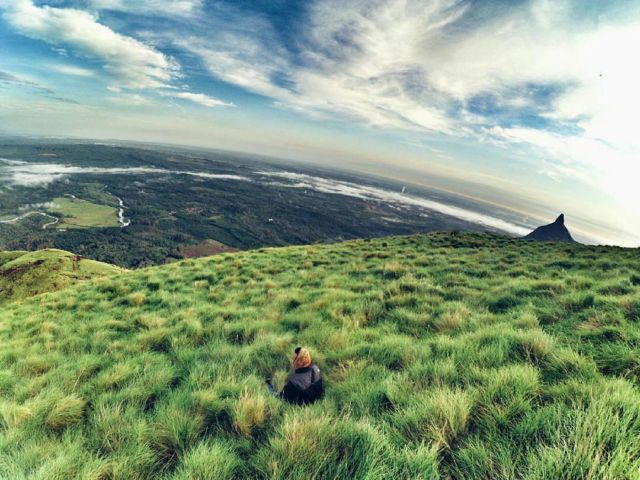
(133,63)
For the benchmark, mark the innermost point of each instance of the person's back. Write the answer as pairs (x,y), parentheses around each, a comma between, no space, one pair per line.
(305,383)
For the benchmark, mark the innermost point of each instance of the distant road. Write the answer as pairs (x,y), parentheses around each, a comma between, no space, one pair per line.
(29,214)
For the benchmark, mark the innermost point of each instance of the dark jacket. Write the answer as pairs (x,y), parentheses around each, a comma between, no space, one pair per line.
(304,386)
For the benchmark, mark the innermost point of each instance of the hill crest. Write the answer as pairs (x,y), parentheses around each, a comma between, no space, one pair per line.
(25,274)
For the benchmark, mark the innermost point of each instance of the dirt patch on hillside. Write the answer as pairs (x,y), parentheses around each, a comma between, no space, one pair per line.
(206,248)
(193,210)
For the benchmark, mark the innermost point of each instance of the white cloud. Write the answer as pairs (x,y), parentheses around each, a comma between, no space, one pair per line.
(249,55)
(199,98)
(590,160)
(73,70)
(150,7)
(394,63)
(368,80)
(133,63)
(417,65)
(130,99)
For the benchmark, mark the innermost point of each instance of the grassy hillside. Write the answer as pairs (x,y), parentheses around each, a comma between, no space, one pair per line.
(445,356)
(24,274)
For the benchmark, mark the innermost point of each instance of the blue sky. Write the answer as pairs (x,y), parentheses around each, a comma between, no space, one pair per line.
(530,104)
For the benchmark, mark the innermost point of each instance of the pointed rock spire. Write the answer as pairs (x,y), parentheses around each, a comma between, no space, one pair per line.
(554,232)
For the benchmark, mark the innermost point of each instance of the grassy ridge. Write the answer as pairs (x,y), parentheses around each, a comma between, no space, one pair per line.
(462,356)
(24,274)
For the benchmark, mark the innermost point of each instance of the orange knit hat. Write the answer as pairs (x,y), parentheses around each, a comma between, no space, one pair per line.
(301,358)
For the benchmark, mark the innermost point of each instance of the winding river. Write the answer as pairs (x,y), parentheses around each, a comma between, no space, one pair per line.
(124,222)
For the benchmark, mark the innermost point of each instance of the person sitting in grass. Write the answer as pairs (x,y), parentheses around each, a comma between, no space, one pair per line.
(304,385)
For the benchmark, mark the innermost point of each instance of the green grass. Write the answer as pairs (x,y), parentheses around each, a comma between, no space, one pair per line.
(25,274)
(78,213)
(445,356)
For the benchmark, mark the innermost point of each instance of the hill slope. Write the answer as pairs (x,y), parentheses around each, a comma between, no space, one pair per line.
(446,356)
(24,274)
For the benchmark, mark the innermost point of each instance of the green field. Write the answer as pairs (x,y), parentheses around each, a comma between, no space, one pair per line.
(445,356)
(78,213)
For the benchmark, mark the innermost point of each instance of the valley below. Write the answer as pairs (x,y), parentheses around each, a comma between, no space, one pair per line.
(135,207)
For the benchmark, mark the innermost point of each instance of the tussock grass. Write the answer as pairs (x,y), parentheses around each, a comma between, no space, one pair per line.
(437,418)
(454,356)
(214,460)
(66,412)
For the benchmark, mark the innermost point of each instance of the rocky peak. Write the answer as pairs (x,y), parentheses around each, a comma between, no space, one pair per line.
(554,232)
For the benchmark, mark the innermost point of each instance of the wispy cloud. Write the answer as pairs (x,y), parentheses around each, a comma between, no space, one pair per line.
(132,63)
(158,8)
(546,77)
(72,70)
(130,99)
(10,78)
(349,62)
(199,98)
(14,80)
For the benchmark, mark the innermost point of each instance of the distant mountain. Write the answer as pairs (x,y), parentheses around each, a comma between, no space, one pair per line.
(554,232)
